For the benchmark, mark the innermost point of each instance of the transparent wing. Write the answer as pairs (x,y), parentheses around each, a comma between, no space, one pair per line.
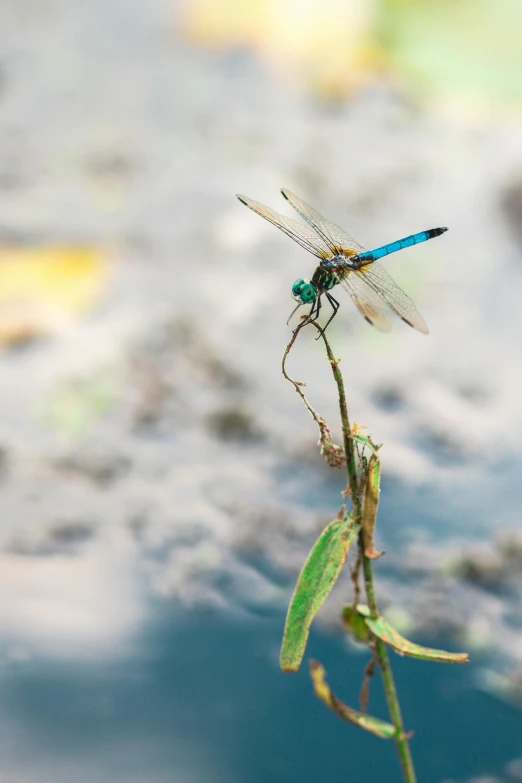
(368,303)
(300,233)
(334,236)
(380,281)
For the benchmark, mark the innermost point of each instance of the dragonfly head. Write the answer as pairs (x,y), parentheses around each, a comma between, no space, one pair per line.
(304,291)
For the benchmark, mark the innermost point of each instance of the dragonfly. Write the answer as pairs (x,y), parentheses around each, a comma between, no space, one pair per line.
(342,261)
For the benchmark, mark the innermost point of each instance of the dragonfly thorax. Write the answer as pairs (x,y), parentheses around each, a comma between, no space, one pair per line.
(304,291)
(343,260)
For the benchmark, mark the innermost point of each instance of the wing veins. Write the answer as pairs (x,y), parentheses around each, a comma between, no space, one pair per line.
(372,308)
(376,276)
(336,238)
(300,233)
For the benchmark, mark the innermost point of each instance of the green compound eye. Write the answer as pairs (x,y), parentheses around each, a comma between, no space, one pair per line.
(303,291)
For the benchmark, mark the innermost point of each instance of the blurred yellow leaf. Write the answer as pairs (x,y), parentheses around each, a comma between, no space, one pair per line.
(464,52)
(42,288)
(330,43)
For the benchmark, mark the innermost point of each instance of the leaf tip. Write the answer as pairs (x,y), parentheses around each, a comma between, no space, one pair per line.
(372,553)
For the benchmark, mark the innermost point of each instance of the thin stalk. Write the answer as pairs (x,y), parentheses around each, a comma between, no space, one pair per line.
(401,740)
(349,450)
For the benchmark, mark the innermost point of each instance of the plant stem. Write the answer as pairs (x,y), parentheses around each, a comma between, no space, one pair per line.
(401,740)
(351,464)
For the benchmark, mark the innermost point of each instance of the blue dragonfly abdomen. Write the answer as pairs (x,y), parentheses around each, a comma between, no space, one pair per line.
(367,256)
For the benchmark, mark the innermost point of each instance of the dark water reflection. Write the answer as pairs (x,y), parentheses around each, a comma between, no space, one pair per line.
(201,699)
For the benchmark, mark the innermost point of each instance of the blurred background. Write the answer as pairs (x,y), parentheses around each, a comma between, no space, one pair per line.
(160,481)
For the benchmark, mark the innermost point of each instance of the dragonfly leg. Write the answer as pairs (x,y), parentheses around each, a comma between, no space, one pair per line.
(316,306)
(335,307)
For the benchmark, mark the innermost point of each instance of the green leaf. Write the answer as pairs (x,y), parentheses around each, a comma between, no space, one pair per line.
(315,582)
(370,506)
(387,634)
(323,692)
(366,441)
(355,624)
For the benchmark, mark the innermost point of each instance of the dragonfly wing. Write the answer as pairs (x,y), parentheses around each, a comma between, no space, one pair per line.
(383,284)
(335,237)
(368,303)
(300,233)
